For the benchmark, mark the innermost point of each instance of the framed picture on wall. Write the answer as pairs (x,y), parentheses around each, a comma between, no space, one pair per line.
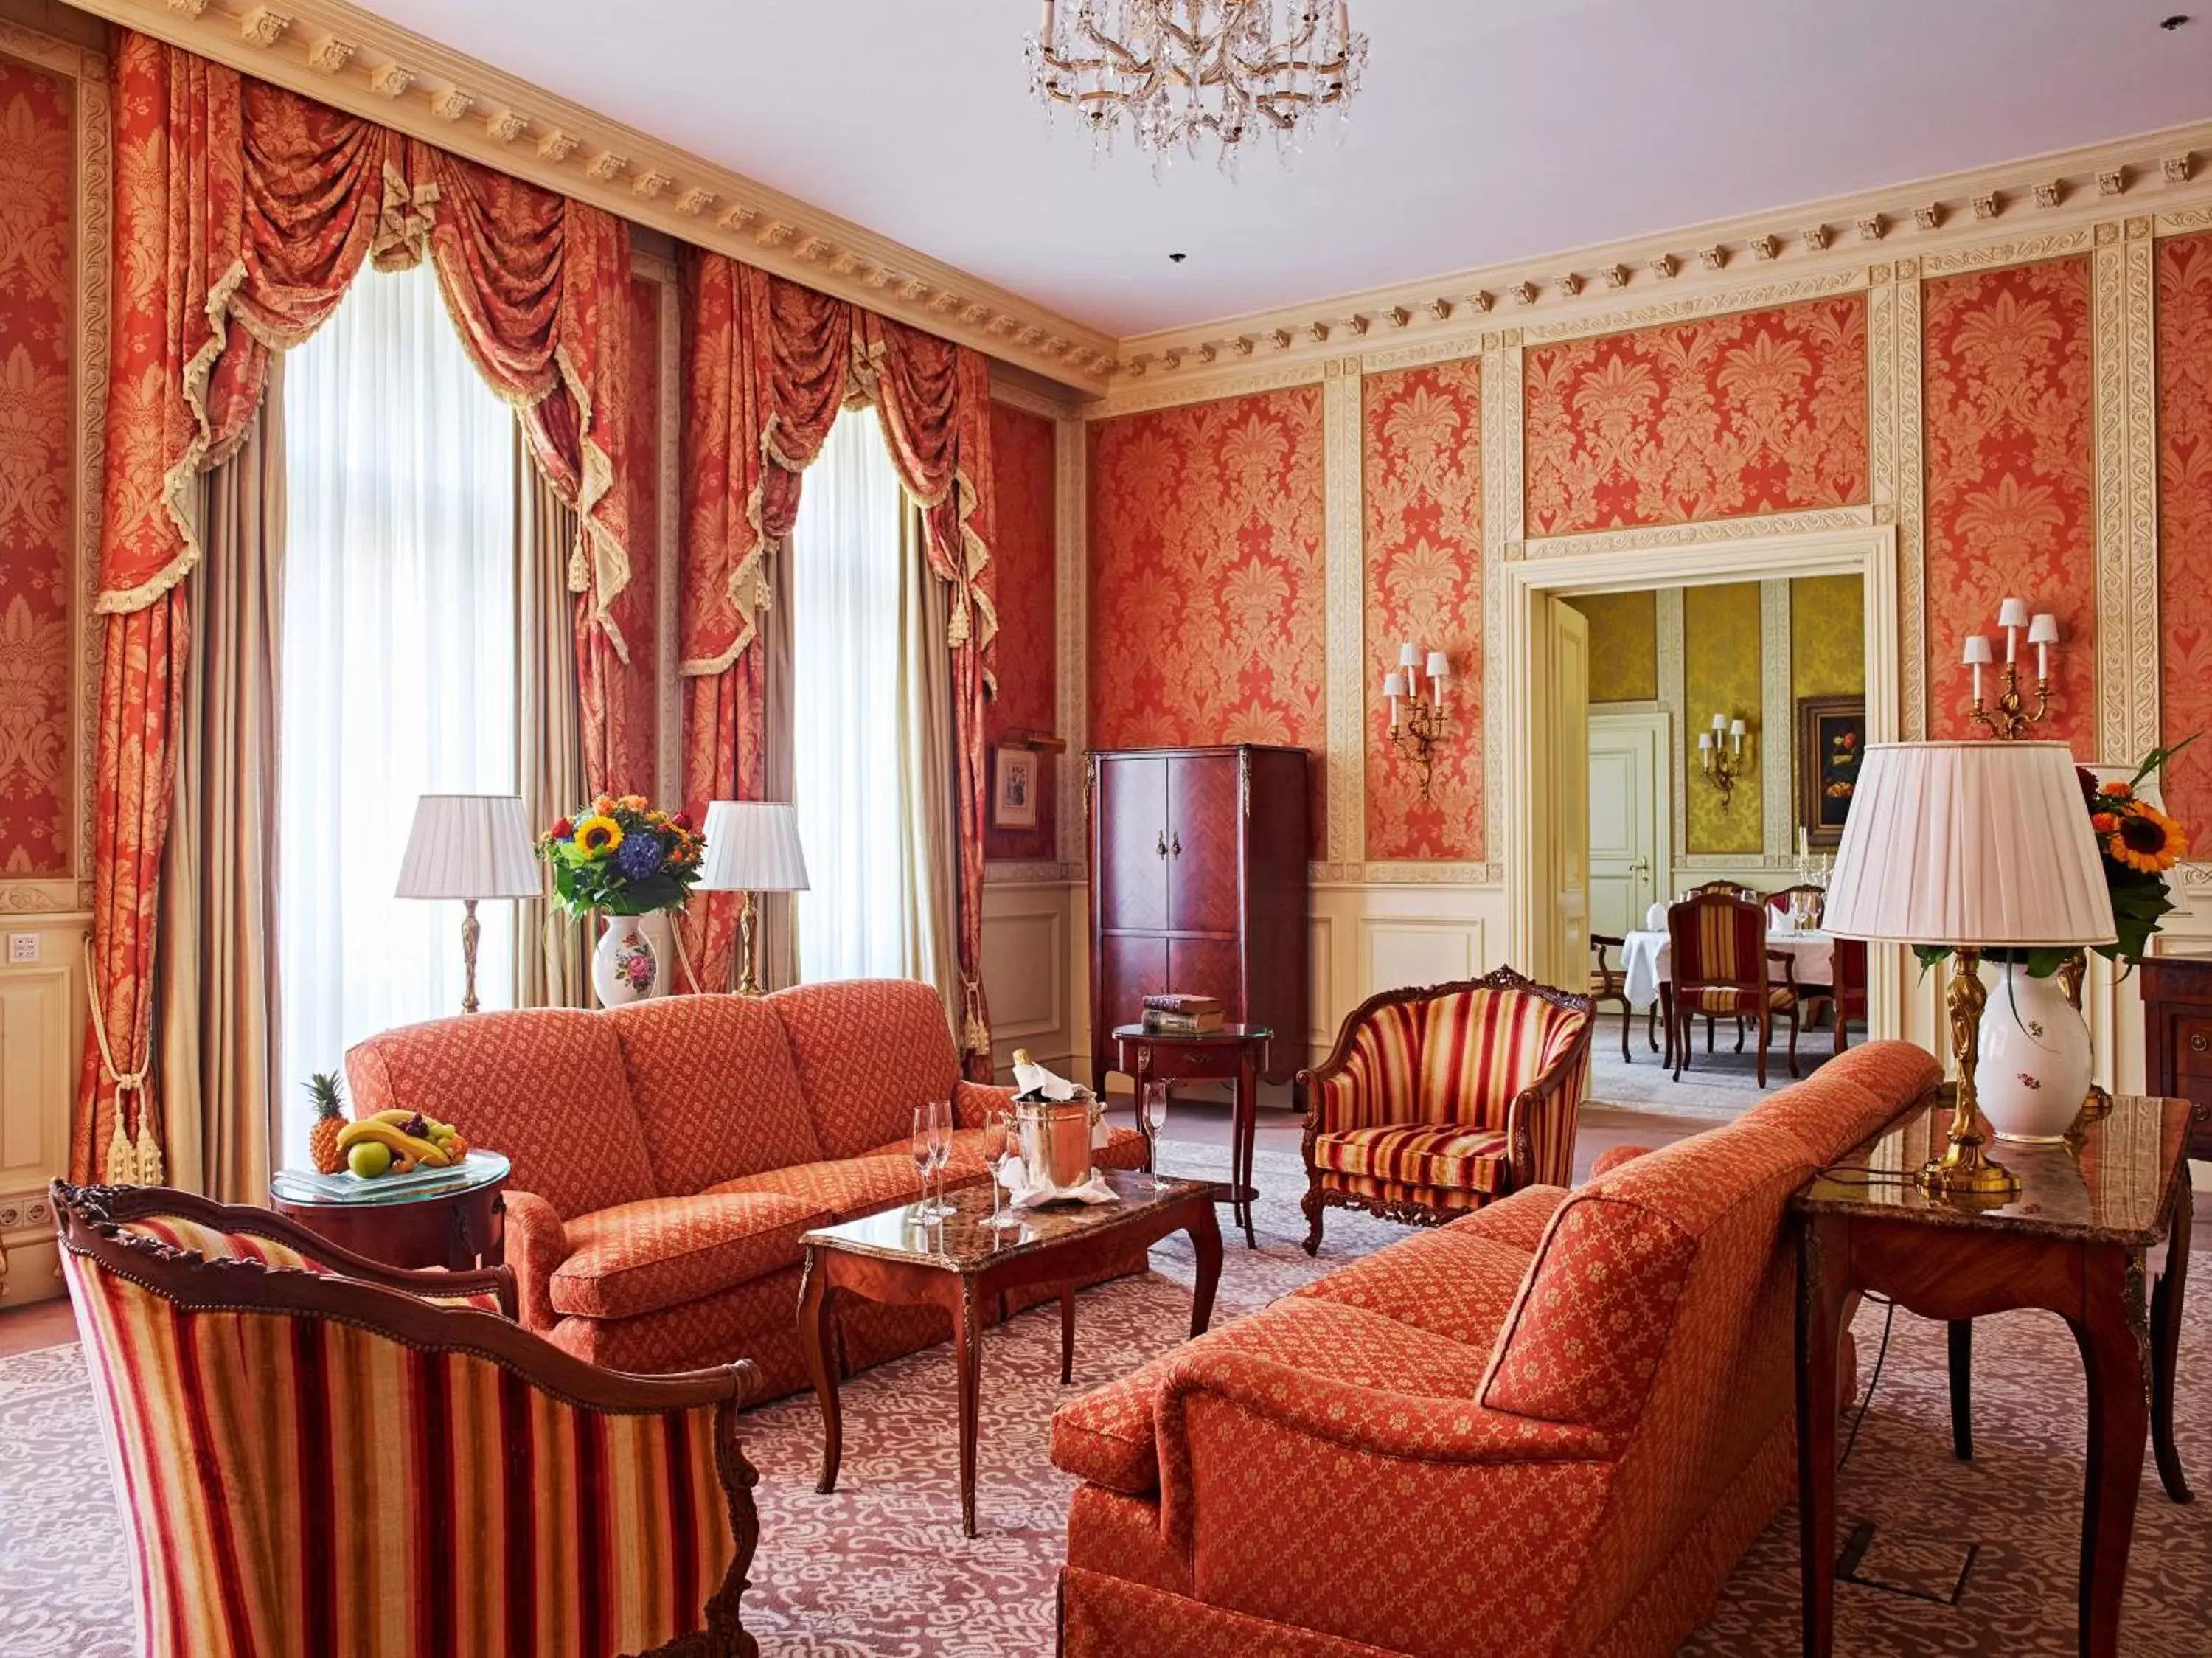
(1013,789)
(1831,743)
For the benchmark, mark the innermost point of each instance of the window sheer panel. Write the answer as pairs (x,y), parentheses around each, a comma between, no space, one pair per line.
(399,665)
(846,579)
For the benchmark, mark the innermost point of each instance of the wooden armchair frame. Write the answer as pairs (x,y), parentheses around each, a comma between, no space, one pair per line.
(1521,1110)
(89,1222)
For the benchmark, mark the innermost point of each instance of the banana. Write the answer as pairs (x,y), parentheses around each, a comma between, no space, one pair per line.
(407,1147)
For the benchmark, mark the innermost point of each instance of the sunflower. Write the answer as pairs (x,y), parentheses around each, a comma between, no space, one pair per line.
(598,837)
(2147,839)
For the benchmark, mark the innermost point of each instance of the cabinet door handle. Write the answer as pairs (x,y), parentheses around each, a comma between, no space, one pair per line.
(1163,848)
(1176,847)
(2199,1042)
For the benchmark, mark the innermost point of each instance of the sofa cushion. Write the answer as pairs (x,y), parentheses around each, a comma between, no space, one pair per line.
(715,1089)
(1850,1097)
(545,1085)
(868,1051)
(1420,1154)
(1457,1284)
(1106,1435)
(841,1187)
(1597,1310)
(642,1257)
(1518,1218)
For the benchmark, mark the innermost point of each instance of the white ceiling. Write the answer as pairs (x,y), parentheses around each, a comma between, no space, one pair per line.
(1487,130)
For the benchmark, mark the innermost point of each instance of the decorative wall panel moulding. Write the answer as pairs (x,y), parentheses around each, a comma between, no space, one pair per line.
(1756,296)
(1940,214)
(395,76)
(2023,250)
(1190,389)
(1703,534)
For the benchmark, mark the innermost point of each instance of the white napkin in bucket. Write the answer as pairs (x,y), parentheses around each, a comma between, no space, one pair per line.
(1014,1176)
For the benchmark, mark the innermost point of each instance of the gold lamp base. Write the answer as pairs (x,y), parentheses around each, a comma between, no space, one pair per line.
(748,968)
(1965,1173)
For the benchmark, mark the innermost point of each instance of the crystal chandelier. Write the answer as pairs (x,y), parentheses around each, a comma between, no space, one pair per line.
(1182,71)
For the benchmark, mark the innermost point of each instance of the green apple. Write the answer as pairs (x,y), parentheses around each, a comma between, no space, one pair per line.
(369,1159)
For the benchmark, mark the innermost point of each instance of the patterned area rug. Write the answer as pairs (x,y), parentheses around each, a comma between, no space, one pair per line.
(880,1571)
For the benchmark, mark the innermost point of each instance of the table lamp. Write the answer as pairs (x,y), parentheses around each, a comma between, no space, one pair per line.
(470,847)
(752,846)
(1973,846)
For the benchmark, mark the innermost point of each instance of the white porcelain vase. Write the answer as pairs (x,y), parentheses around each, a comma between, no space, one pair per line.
(2034,1073)
(633,959)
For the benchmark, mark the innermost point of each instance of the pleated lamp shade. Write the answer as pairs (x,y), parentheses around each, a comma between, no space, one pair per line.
(1976,844)
(752,846)
(469,846)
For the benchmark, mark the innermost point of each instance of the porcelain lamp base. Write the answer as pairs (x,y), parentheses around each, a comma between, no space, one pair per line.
(2034,1071)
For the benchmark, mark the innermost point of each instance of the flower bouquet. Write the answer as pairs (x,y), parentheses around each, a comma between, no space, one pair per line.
(624,858)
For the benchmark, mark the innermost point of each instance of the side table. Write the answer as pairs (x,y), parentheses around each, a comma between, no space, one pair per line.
(2073,1241)
(455,1219)
(1235,1053)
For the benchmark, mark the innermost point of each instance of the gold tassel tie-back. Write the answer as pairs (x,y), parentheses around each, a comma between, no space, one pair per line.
(124,1163)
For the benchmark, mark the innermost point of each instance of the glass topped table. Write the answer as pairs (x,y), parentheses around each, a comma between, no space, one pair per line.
(967,1266)
(448,1218)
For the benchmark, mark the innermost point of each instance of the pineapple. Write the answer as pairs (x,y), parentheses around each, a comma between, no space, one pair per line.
(330,1118)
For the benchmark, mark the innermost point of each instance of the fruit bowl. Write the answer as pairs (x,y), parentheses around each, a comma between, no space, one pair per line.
(399,1143)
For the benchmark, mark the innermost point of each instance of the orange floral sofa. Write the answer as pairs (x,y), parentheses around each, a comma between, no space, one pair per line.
(1551,1427)
(669,1156)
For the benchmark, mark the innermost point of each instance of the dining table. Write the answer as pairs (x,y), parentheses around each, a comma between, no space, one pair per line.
(1646,958)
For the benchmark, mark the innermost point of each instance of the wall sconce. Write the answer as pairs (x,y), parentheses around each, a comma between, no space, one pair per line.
(1720,755)
(2010,718)
(1422,728)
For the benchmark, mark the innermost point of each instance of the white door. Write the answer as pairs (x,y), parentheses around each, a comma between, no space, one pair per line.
(1627,818)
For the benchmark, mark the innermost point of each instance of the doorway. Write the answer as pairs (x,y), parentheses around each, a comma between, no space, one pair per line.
(1548,822)
(1630,822)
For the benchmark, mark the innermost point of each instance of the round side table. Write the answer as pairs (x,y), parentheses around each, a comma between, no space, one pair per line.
(1235,1053)
(431,1217)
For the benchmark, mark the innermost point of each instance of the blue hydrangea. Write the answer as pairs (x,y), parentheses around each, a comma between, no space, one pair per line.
(639,855)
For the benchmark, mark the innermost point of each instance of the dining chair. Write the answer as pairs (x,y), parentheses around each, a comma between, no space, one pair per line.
(1610,983)
(1781,900)
(1720,968)
(1849,990)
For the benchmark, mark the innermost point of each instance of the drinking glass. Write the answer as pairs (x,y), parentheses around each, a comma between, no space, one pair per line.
(997,1129)
(922,1144)
(1151,1118)
(941,1153)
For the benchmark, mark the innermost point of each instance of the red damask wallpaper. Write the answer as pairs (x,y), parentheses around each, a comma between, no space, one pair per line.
(1022,457)
(1753,412)
(1423,473)
(2009,433)
(2184,523)
(1206,607)
(38,491)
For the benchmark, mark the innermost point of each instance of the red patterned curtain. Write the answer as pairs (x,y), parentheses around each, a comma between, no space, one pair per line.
(242,212)
(767,365)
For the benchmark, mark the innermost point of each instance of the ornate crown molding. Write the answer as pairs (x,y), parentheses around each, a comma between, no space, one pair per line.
(335,52)
(1950,222)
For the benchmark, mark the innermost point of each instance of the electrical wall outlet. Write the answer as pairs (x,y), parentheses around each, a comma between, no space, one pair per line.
(22,947)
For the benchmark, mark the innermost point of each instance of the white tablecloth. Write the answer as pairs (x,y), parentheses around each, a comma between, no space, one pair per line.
(1646,955)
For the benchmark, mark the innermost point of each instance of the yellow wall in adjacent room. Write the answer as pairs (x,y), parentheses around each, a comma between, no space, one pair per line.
(1721,675)
(1623,645)
(1827,637)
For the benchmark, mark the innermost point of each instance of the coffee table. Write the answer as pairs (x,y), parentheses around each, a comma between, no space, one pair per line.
(960,1264)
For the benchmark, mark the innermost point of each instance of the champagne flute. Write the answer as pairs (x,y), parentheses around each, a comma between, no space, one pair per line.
(996,1129)
(1153,1117)
(941,1153)
(922,1145)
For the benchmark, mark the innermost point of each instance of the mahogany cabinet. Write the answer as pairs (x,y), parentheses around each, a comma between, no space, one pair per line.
(1198,885)
(2177,992)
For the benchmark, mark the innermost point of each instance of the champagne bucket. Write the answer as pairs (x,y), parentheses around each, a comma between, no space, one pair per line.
(1055,1139)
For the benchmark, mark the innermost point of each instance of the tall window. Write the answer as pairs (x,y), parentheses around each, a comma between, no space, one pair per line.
(398,664)
(867,808)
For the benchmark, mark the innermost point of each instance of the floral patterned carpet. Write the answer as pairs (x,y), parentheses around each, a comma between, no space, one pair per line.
(880,1571)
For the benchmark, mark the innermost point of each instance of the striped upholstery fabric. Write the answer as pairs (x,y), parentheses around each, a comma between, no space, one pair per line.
(296,1482)
(1418,1120)
(1718,947)
(1425,1154)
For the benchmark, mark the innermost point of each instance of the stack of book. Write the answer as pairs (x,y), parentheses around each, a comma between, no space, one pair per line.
(1183,1015)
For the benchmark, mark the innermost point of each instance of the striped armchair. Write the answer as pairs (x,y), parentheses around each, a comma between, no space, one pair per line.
(314,1453)
(1438,1100)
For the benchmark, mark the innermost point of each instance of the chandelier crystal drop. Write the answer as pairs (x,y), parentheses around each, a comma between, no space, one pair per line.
(1177,73)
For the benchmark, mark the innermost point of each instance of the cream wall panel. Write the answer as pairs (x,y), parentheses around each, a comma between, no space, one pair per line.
(41,1034)
(1026,970)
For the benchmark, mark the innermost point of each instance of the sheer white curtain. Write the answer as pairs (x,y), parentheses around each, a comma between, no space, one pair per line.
(870,912)
(399,665)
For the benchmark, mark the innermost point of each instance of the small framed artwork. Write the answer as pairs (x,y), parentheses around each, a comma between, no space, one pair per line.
(1831,743)
(1013,791)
